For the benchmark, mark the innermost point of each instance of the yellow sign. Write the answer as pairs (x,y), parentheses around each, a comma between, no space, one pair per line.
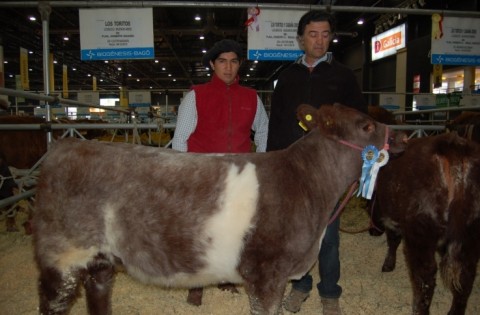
(437,75)
(24,69)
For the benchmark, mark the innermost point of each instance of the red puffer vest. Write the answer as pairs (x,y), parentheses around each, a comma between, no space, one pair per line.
(225,117)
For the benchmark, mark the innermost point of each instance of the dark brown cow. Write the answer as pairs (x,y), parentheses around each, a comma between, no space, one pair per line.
(467,125)
(22,148)
(190,220)
(430,198)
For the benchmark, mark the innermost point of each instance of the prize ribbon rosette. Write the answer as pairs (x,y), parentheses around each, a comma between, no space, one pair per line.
(373,159)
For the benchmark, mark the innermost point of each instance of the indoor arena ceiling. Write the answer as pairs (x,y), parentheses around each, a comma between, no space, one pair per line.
(178,48)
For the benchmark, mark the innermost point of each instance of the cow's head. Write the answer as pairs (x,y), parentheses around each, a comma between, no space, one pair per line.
(347,124)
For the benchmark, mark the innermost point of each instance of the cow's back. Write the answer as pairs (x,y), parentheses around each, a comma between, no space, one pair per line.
(432,178)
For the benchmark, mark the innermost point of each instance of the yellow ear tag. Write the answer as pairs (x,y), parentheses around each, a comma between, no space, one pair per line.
(308,117)
(301,124)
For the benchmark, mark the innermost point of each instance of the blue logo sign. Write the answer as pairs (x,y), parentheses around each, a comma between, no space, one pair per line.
(258,54)
(459,60)
(115,54)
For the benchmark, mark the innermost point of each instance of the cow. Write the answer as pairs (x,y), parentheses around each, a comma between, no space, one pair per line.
(430,197)
(190,220)
(467,124)
(22,148)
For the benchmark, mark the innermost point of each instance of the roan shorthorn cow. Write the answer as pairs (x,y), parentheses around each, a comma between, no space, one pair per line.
(189,220)
(430,198)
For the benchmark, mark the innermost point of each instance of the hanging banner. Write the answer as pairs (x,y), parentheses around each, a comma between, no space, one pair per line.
(416,83)
(272,34)
(65,81)
(389,42)
(141,101)
(94,83)
(113,34)
(437,75)
(123,96)
(455,41)
(24,69)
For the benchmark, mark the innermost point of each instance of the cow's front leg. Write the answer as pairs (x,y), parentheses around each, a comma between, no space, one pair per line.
(393,241)
(57,290)
(266,296)
(98,286)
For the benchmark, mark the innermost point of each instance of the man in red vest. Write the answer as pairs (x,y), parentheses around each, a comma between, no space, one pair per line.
(219,117)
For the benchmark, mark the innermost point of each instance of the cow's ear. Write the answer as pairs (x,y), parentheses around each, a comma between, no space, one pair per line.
(307,116)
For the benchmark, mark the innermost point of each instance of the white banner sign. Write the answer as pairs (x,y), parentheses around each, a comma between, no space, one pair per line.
(272,34)
(112,34)
(89,97)
(387,43)
(455,40)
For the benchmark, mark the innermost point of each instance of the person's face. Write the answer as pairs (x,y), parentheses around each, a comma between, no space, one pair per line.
(226,67)
(316,40)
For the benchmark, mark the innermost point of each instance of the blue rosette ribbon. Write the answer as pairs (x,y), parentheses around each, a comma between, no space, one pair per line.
(379,162)
(370,154)
(372,161)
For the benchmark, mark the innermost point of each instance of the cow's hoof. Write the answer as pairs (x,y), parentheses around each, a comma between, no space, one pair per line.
(294,301)
(195,296)
(387,268)
(228,287)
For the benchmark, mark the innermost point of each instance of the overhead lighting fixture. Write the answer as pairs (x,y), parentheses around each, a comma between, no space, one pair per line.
(335,40)
(32,18)
(197,17)
(360,22)
(204,51)
(202,37)
(65,37)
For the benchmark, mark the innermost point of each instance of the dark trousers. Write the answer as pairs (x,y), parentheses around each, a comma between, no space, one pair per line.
(328,265)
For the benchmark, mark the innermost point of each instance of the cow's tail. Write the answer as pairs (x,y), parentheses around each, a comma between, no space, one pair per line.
(451,267)
(453,250)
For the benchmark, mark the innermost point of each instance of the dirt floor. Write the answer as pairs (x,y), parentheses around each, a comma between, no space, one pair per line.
(366,289)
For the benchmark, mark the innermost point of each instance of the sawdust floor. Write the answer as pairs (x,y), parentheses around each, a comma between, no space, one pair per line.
(366,289)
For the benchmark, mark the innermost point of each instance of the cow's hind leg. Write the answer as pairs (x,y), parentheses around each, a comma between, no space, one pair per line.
(57,291)
(458,269)
(98,286)
(422,268)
